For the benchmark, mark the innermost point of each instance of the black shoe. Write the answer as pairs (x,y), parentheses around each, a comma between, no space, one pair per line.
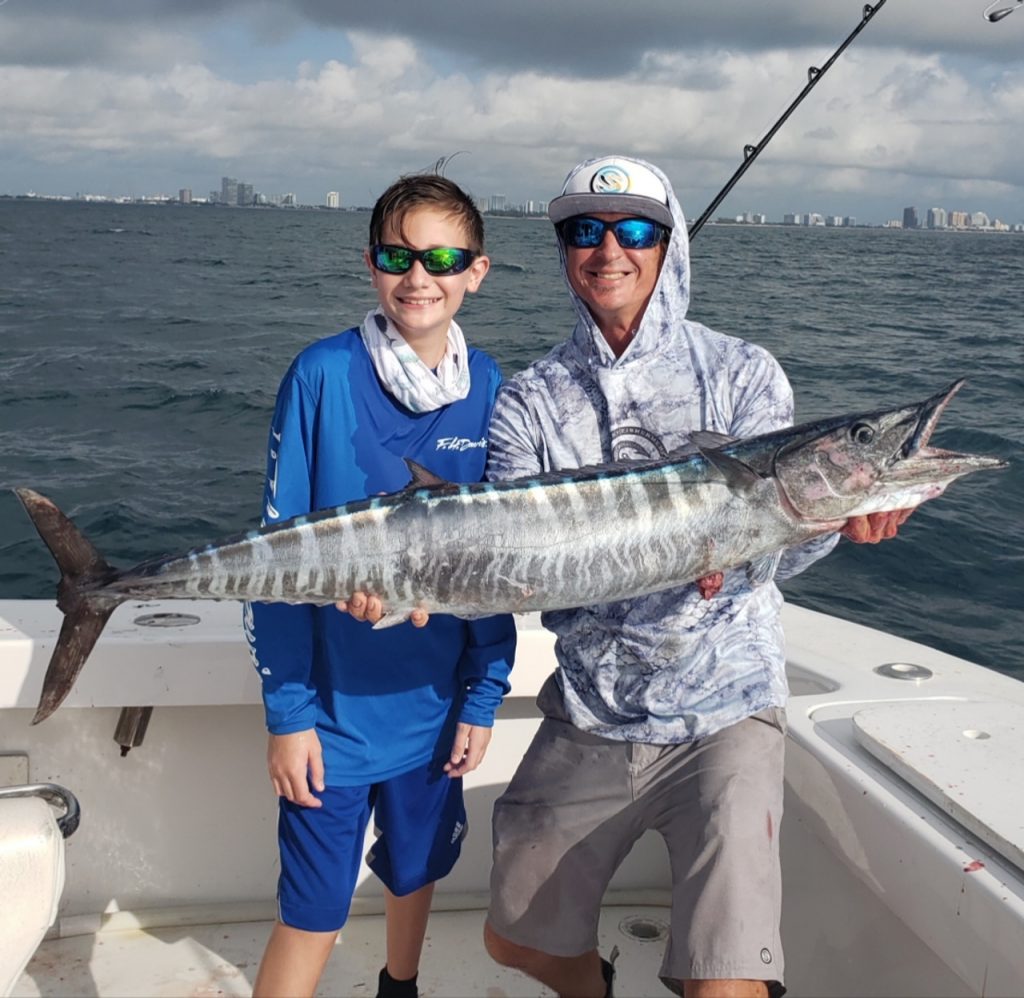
(608,971)
(388,987)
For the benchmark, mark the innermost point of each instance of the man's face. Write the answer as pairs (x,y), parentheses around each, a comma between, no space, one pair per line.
(615,283)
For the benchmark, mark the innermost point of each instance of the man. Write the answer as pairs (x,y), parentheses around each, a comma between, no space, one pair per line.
(666,711)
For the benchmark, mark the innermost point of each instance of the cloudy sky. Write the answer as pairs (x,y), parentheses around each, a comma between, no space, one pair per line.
(148,96)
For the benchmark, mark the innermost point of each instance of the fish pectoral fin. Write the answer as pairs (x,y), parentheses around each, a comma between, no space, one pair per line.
(763,569)
(423,477)
(392,620)
(740,477)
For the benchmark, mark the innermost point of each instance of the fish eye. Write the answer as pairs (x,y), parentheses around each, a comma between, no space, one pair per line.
(862,433)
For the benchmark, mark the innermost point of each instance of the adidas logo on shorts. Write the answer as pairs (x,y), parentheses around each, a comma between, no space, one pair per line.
(457,832)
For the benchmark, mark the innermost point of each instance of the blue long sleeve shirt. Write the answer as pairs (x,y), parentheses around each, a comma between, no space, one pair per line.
(382,701)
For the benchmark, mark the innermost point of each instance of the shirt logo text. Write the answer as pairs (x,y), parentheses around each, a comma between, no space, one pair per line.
(460,443)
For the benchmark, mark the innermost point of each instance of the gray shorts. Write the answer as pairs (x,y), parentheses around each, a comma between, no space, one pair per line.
(578,803)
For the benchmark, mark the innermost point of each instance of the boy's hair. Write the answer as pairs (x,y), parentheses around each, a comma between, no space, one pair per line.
(426,190)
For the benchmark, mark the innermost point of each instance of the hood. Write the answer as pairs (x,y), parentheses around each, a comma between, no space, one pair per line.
(668,304)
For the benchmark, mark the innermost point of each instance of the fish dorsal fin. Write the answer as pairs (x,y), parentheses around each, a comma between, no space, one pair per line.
(423,477)
(608,468)
(709,440)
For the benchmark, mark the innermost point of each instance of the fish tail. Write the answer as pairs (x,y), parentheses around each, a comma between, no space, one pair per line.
(85,614)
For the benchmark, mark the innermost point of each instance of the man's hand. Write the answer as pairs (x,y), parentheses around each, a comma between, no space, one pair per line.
(710,585)
(468,749)
(875,527)
(296,762)
(369,608)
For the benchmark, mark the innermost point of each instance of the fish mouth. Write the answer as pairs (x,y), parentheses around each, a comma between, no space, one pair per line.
(929,413)
(915,460)
(873,462)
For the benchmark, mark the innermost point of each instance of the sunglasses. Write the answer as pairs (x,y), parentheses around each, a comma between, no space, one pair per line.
(440,261)
(584,232)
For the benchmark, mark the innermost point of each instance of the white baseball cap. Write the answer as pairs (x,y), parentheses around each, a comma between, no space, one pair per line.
(615,184)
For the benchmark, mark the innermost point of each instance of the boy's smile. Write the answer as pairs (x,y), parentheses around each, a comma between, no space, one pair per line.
(422,305)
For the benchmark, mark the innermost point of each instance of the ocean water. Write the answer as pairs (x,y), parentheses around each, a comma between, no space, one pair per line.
(141,348)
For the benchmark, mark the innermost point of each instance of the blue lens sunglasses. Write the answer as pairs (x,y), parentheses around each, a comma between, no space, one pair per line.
(584,232)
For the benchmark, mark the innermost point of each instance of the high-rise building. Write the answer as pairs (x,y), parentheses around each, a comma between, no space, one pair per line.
(910,220)
(228,190)
(333,199)
(496,202)
(245,195)
(185,195)
(936,218)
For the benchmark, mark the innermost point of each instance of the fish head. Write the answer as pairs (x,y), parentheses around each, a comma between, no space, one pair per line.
(870,463)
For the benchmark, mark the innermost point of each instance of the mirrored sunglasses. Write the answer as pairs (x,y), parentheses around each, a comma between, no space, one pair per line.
(440,261)
(584,232)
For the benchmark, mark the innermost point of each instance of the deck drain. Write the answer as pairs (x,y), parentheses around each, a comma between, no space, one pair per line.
(906,671)
(643,929)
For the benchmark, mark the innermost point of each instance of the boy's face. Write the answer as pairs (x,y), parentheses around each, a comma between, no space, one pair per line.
(421,305)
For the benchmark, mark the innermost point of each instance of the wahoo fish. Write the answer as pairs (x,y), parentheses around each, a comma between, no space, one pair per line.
(544,542)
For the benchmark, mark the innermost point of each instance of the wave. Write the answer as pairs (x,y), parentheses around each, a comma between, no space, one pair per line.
(138,380)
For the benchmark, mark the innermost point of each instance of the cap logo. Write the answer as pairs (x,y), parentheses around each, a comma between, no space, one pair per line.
(610,180)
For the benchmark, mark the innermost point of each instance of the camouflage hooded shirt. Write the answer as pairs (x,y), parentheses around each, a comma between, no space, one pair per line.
(669,667)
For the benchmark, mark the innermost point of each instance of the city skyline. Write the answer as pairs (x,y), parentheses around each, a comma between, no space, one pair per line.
(936,218)
(239,193)
(307,96)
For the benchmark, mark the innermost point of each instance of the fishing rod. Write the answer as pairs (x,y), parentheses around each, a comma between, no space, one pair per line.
(997,15)
(814,74)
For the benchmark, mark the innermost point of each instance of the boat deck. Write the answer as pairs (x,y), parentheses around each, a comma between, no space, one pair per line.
(222,959)
(901,845)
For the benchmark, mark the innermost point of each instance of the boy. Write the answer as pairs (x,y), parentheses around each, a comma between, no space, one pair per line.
(365,720)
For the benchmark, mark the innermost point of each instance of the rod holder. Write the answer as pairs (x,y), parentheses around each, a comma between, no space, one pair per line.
(131,727)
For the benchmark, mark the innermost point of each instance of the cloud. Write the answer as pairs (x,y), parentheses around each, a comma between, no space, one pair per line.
(30,36)
(591,38)
(153,86)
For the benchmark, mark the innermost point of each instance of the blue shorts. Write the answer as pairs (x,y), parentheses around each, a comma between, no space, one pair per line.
(420,821)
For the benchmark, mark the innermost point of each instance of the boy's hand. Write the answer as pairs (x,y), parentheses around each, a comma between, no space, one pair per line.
(468,749)
(369,608)
(296,763)
(875,527)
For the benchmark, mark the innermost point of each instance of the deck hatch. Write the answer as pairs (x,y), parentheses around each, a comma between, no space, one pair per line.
(963,756)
